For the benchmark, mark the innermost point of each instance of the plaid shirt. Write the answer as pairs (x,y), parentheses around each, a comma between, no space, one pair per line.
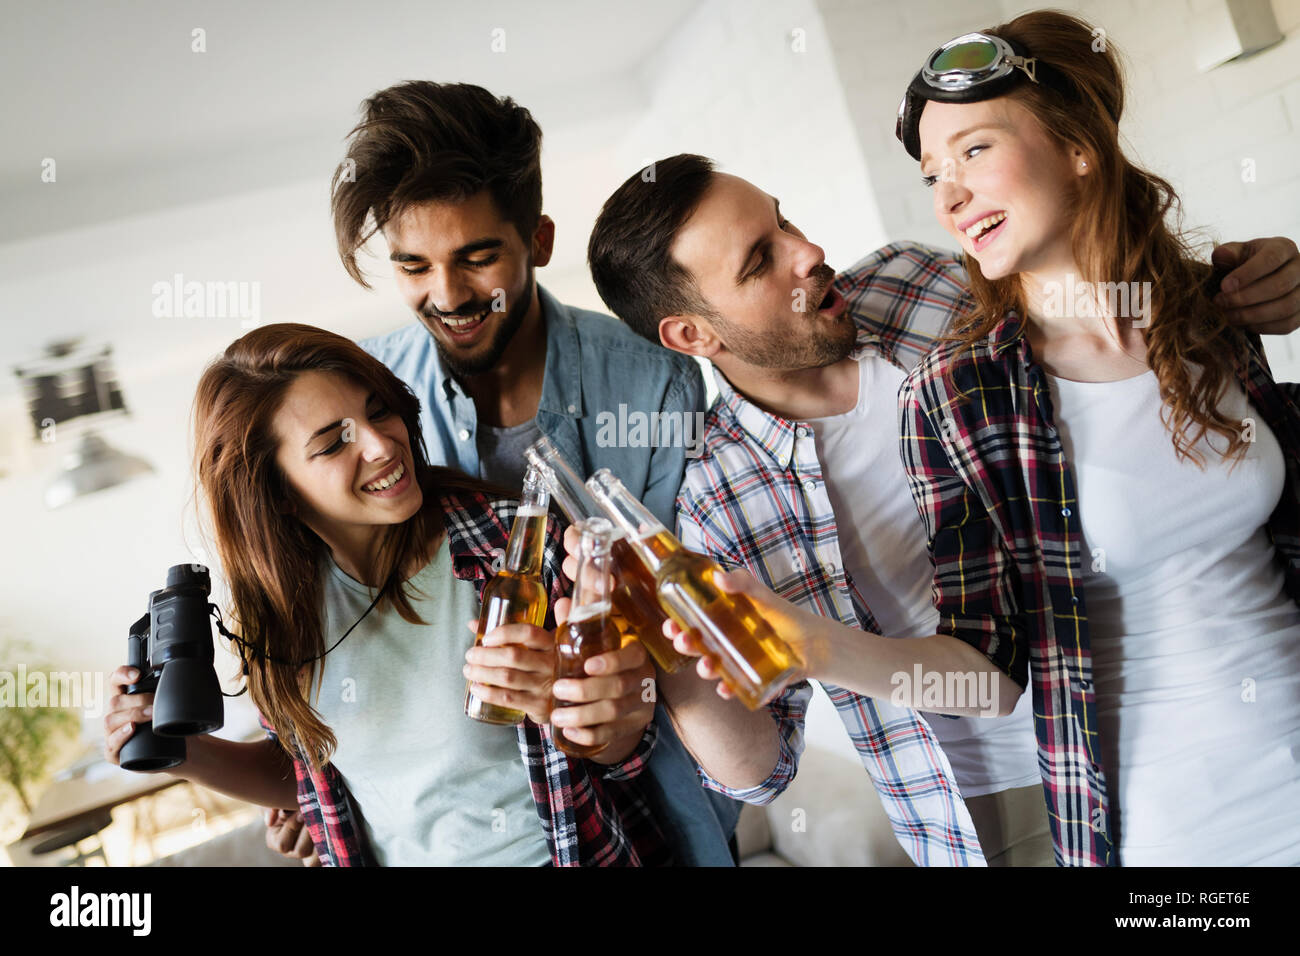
(999,502)
(591,815)
(756,498)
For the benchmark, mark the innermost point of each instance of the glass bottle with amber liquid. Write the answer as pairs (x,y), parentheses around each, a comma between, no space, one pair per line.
(516,594)
(635,604)
(590,629)
(755,663)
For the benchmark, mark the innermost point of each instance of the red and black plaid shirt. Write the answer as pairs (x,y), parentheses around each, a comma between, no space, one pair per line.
(591,815)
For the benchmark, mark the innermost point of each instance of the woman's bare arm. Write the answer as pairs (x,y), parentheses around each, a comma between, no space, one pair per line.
(259,772)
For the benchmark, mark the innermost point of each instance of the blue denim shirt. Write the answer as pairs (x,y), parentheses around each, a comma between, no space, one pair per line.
(601,386)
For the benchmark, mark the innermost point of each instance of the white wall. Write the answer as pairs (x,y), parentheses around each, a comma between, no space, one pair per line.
(753,87)
(878,46)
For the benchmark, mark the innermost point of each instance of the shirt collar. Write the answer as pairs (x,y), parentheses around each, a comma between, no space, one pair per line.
(561,379)
(772,433)
(476,532)
(1008,335)
(775,435)
(448,387)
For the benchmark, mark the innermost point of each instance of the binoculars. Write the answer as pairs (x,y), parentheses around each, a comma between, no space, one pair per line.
(171,648)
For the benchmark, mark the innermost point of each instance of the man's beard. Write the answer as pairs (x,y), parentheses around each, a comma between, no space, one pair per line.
(468,366)
(781,349)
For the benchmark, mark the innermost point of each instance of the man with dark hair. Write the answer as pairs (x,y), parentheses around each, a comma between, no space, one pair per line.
(800,482)
(629,250)
(450,176)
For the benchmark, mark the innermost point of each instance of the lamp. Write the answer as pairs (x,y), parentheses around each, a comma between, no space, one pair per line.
(72,384)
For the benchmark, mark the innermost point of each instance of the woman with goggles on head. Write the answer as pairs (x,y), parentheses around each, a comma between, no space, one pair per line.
(1106,468)
(331,524)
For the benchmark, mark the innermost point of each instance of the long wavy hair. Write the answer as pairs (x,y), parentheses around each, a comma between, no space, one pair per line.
(272,561)
(1119,233)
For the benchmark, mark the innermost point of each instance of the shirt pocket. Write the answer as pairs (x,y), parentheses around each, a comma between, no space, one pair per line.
(792,570)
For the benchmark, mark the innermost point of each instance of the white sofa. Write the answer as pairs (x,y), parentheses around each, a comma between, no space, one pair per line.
(830,815)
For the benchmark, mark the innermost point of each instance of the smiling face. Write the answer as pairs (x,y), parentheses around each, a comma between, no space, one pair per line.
(1002,185)
(468,275)
(346,457)
(770,286)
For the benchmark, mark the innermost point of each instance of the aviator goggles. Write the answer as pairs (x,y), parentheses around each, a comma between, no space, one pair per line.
(970,68)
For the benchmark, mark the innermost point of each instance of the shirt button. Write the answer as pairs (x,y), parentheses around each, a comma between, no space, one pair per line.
(1065,512)
(463,434)
(573,409)
(810,485)
(1074,599)
(802,433)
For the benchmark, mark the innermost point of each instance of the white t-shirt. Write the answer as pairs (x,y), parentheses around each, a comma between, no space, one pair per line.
(1195,645)
(883,545)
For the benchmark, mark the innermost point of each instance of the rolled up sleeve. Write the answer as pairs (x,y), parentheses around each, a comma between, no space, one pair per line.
(787,710)
(632,766)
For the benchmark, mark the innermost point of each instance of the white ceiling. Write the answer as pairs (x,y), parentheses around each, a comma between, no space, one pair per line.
(136,121)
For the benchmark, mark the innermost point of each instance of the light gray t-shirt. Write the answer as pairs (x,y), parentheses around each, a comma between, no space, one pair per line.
(433,787)
(501,451)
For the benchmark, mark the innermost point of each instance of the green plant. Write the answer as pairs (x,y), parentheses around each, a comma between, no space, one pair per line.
(31,737)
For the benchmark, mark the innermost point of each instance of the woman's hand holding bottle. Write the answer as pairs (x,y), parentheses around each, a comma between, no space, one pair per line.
(513,667)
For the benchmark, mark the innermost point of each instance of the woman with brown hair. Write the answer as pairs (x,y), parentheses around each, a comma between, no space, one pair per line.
(330,524)
(1106,469)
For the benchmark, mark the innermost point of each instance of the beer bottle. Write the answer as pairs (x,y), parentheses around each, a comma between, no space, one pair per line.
(636,607)
(516,594)
(755,663)
(590,630)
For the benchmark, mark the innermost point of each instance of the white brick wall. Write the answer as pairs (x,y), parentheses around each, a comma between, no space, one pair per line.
(1195,129)
(878,46)
(729,85)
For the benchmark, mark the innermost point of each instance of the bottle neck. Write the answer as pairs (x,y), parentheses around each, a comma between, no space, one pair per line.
(563,483)
(621,507)
(591,592)
(528,533)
